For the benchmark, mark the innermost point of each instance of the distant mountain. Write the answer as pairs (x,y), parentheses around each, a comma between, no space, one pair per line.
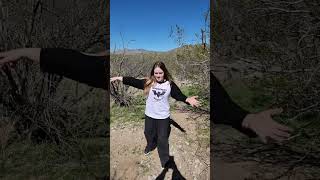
(138,51)
(133,51)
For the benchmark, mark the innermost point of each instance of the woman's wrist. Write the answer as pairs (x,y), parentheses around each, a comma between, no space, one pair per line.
(117,78)
(33,53)
(30,53)
(247,121)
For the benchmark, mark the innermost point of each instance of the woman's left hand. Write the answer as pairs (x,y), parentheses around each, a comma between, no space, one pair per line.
(265,127)
(193,101)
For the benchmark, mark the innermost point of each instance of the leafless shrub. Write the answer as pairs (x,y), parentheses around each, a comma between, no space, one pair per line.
(49,107)
(276,43)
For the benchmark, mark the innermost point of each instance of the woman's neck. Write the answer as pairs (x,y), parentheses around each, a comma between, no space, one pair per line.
(163,81)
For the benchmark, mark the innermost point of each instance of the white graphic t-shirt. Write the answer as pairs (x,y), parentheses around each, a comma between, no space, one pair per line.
(157,105)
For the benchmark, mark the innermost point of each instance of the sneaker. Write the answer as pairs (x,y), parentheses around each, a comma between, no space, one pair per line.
(148,150)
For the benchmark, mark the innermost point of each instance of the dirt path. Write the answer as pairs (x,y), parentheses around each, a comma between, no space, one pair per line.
(129,162)
(191,155)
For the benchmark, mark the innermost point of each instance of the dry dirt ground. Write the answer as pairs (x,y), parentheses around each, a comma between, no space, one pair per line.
(190,154)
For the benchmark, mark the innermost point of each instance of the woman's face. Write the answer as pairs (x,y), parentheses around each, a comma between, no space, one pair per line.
(158,74)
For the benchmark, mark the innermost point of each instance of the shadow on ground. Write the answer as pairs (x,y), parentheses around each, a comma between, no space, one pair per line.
(176,175)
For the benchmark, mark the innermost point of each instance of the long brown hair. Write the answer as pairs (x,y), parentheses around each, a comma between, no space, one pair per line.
(151,80)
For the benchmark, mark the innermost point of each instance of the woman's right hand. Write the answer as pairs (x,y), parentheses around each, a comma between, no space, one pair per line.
(14,55)
(10,56)
(116,79)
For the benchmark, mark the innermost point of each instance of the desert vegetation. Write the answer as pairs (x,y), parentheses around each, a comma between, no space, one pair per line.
(267,55)
(50,126)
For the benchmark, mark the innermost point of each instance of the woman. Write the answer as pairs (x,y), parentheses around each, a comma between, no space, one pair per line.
(93,69)
(157,88)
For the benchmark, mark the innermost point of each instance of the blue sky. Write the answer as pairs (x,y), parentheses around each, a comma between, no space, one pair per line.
(146,24)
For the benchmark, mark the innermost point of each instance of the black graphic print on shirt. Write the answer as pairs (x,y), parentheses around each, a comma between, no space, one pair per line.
(158,93)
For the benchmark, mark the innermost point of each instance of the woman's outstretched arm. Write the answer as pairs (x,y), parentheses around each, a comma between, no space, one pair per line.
(223,110)
(88,69)
(13,56)
(179,96)
(131,81)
